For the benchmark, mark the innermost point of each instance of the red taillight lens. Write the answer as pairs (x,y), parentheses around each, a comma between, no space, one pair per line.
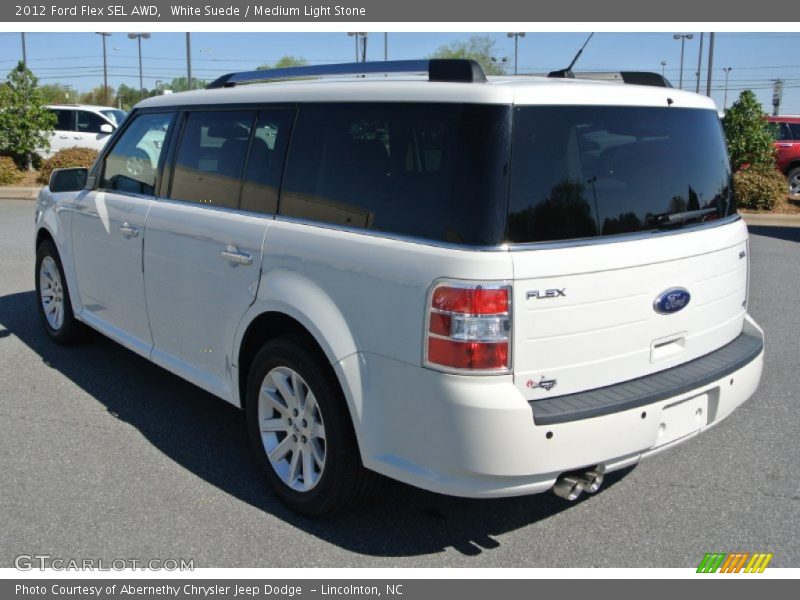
(469,328)
(472,301)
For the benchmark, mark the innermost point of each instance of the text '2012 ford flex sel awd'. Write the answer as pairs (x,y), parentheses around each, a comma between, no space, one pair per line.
(481,288)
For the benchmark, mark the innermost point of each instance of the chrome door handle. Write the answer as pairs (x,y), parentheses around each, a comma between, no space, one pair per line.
(128,231)
(233,256)
(784,145)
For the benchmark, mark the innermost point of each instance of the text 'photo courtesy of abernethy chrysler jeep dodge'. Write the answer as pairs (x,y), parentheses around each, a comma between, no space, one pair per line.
(480,287)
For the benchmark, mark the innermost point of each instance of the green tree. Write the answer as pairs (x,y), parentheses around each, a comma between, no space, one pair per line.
(25,123)
(749,135)
(55,93)
(98,96)
(481,48)
(284,62)
(127,96)
(181,84)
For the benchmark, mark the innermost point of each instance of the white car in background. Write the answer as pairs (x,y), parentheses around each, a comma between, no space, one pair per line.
(82,125)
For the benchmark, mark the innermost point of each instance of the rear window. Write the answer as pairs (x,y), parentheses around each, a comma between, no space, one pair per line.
(435,171)
(584,171)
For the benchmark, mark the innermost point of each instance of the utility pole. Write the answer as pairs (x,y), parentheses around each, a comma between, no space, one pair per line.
(385,46)
(139,37)
(516,36)
(710,62)
(24,51)
(189,60)
(105,67)
(699,64)
(777,96)
(364,43)
(682,37)
(725,102)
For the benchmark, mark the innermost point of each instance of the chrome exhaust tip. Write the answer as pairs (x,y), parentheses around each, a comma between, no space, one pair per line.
(571,485)
(592,479)
(568,487)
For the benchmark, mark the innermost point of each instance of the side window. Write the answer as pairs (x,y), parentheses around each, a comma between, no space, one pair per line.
(132,164)
(794,131)
(89,122)
(65,119)
(211,156)
(262,178)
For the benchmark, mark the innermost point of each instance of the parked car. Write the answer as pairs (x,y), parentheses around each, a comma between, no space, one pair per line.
(82,125)
(787,146)
(365,267)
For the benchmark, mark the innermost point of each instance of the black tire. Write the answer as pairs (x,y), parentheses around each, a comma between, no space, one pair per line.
(793,178)
(343,483)
(70,331)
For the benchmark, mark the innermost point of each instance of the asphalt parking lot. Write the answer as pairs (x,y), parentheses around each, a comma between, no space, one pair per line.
(104,455)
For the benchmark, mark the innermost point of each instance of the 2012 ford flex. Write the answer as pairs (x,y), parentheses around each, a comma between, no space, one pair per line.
(481,288)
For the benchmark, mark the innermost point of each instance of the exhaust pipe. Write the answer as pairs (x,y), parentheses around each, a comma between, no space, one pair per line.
(592,479)
(568,487)
(571,485)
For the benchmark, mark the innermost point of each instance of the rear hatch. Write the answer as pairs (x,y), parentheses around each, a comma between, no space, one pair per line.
(628,257)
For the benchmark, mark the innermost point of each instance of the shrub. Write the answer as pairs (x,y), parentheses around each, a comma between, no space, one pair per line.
(25,123)
(749,135)
(759,188)
(9,173)
(68,157)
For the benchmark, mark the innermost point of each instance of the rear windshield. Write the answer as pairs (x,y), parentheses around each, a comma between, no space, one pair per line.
(585,171)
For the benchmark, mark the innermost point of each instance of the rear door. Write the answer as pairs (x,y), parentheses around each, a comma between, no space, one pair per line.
(788,149)
(630,257)
(202,255)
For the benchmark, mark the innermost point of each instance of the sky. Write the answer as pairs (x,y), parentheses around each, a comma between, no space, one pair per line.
(756,59)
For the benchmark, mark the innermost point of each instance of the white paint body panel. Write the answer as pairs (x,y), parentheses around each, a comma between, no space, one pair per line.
(195,297)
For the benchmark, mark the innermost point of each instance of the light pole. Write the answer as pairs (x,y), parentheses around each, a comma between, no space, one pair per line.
(682,37)
(516,36)
(725,102)
(362,37)
(663,68)
(699,64)
(385,45)
(24,51)
(105,66)
(139,37)
(188,60)
(710,62)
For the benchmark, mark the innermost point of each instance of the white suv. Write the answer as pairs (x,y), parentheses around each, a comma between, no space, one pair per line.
(481,288)
(82,125)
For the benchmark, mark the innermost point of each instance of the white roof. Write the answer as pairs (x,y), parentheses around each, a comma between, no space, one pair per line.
(498,90)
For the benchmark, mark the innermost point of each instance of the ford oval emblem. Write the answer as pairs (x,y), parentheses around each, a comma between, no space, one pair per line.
(671,301)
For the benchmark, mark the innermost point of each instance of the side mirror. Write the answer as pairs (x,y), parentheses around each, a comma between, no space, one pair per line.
(106,128)
(68,180)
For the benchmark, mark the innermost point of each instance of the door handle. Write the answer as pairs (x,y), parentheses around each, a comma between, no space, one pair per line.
(784,145)
(128,231)
(233,256)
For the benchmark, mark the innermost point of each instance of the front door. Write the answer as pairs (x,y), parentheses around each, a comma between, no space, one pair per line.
(108,229)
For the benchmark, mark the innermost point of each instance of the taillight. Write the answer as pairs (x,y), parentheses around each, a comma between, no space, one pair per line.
(469,328)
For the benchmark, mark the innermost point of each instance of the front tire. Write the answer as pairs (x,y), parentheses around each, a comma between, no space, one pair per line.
(793,177)
(301,431)
(52,297)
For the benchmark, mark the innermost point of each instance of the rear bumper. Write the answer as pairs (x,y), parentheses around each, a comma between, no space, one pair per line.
(477,436)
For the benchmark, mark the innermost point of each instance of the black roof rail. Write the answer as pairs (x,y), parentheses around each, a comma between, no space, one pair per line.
(633,77)
(438,69)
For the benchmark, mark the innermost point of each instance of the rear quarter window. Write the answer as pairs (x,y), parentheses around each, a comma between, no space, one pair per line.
(432,171)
